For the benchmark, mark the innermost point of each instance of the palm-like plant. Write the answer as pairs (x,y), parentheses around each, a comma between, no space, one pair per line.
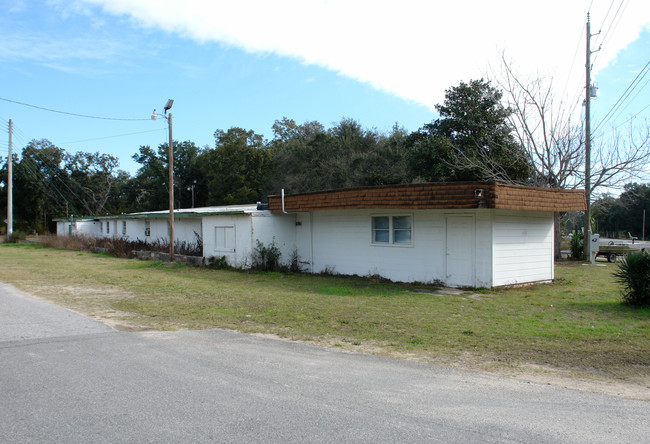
(634,274)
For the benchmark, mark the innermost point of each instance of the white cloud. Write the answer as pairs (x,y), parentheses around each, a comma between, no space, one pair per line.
(41,47)
(414,49)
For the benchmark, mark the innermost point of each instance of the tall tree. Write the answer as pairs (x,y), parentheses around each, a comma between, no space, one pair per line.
(235,169)
(308,157)
(304,157)
(471,140)
(554,143)
(151,188)
(620,215)
(93,176)
(43,185)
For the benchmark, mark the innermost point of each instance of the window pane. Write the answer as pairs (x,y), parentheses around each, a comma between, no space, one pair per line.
(402,222)
(380,223)
(380,236)
(402,236)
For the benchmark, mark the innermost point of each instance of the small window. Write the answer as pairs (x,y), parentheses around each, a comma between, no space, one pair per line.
(402,229)
(224,239)
(147,228)
(392,230)
(123,228)
(381,229)
(108,227)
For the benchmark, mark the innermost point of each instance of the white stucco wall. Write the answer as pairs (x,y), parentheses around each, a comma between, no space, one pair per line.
(245,230)
(342,243)
(79,228)
(185,229)
(523,247)
(476,248)
(278,229)
(135,230)
(239,227)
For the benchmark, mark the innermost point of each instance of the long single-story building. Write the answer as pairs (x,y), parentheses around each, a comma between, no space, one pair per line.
(475,234)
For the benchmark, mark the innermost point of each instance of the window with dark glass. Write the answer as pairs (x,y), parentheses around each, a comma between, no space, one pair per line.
(392,230)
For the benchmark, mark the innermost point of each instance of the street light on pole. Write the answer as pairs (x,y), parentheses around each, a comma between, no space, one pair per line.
(154,116)
(192,188)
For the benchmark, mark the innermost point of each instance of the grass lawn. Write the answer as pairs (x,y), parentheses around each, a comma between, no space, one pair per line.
(576,326)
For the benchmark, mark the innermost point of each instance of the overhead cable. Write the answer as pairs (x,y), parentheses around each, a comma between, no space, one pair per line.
(68,113)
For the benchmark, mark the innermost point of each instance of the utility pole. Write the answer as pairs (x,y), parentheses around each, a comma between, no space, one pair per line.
(588,88)
(171,190)
(168,117)
(10,181)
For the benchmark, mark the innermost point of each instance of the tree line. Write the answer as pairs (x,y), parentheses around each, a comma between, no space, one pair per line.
(478,136)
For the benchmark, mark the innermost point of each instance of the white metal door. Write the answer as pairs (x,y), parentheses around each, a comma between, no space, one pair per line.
(460,251)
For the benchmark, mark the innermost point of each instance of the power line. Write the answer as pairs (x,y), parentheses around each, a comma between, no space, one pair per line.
(614,19)
(67,113)
(633,116)
(112,137)
(630,89)
(575,54)
(54,174)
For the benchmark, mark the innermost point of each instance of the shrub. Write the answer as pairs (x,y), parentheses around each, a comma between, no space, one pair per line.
(16,237)
(577,246)
(294,263)
(266,258)
(219,263)
(634,275)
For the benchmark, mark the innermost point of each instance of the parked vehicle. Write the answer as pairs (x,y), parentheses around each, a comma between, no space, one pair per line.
(613,251)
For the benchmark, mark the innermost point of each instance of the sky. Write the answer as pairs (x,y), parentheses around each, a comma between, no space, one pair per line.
(87,74)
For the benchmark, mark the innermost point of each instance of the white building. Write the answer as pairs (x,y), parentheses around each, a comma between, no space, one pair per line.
(77,227)
(461,234)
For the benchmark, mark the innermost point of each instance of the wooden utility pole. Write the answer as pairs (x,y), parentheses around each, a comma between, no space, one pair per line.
(10,182)
(171,190)
(587,224)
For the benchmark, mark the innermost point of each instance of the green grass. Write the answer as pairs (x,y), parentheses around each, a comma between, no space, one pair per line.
(576,324)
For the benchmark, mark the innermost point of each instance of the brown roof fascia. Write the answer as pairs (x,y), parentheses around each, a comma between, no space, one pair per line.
(440,195)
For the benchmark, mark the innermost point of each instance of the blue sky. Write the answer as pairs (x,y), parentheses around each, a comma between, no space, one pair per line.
(254,62)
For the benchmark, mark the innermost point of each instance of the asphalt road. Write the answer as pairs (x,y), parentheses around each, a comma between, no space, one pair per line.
(66,378)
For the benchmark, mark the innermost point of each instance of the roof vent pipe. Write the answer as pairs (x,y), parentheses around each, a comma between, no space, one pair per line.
(283,210)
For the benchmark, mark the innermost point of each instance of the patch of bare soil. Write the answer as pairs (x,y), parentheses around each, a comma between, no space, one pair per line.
(91,302)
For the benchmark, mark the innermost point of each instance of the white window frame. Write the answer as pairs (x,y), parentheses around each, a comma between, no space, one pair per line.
(391,230)
(123,228)
(108,227)
(147,228)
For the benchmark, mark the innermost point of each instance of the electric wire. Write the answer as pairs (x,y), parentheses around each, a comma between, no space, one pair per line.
(54,174)
(575,56)
(68,113)
(114,136)
(612,26)
(629,102)
(621,100)
(633,116)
